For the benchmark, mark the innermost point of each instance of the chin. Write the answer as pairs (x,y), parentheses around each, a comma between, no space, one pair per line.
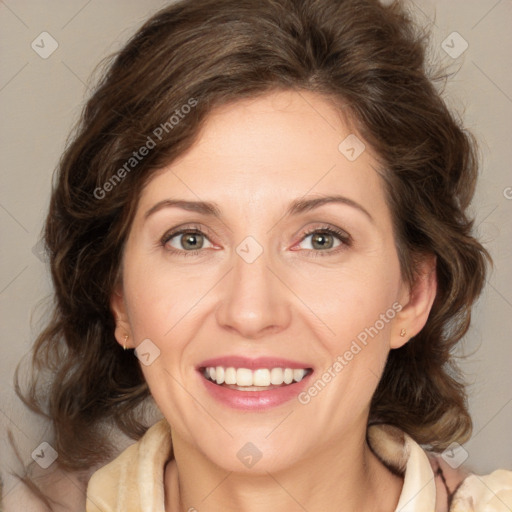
(256,457)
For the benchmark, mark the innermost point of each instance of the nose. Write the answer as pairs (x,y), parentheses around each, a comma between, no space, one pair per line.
(254,301)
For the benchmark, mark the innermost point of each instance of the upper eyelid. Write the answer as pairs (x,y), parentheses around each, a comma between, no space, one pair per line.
(185,228)
(331,230)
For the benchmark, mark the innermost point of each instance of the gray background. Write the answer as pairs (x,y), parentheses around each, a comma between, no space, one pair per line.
(40,100)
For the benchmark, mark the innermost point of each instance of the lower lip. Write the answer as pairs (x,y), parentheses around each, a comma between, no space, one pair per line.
(254,400)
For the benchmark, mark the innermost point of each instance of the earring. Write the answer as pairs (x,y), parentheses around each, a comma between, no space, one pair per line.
(403,332)
(124,343)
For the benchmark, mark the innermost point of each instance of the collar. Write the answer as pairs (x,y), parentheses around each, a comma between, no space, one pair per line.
(134,481)
(402,455)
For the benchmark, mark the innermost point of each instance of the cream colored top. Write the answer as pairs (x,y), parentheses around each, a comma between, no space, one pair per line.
(134,481)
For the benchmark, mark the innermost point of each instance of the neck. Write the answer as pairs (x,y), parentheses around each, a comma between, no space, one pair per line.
(344,476)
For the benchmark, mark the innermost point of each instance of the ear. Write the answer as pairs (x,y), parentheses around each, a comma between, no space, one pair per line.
(123,332)
(416,301)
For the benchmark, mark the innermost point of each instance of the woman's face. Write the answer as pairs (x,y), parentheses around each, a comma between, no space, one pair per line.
(267,277)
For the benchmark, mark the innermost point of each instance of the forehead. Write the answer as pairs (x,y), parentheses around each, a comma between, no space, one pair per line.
(269,150)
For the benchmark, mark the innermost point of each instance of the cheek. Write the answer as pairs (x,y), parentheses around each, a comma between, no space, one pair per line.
(166,306)
(159,296)
(352,299)
(362,342)
(355,356)
(358,306)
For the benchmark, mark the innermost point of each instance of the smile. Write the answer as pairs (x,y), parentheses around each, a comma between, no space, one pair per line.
(261,379)
(248,384)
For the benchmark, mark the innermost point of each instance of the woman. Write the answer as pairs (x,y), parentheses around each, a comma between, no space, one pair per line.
(262,224)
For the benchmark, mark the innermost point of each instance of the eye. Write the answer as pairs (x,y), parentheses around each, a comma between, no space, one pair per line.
(189,241)
(327,240)
(186,241)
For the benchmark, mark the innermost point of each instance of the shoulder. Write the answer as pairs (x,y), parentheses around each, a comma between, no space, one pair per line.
(484,493)
(464,491)
(436,479)
(107,482)
(119,484)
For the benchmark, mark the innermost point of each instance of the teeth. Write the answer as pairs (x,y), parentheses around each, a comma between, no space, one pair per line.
(276,376)
(262,377)
(219,374)
(230,376)
(243,377)
(298,375)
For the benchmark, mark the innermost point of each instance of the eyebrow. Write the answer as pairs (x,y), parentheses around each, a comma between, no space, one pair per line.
(296,207)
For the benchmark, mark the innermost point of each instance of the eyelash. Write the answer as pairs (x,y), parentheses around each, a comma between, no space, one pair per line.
(187,229)
(344,238)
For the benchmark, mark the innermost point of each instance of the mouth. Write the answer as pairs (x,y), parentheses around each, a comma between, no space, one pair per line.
(260,379)
(253,384)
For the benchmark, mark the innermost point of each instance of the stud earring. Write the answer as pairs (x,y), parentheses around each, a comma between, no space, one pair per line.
(125,339)
(403,332)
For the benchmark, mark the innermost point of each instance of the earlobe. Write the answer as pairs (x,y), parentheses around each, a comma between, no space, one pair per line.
(417,303)
(123,330)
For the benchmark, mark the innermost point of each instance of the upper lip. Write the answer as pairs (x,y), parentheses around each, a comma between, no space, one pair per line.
(252,363)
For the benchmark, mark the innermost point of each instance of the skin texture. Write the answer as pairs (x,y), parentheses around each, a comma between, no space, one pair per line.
(296,301)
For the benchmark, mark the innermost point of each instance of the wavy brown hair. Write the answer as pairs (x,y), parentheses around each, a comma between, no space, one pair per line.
(370,59)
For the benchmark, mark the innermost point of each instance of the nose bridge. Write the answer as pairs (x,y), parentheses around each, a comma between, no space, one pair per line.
(253,301)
